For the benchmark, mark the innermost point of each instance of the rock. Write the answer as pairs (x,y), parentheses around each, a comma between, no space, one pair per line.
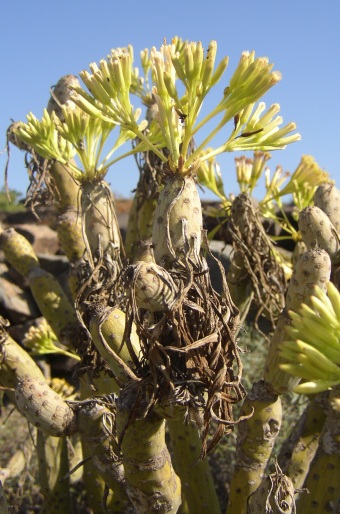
(16,305)
(43,239)
(55,264)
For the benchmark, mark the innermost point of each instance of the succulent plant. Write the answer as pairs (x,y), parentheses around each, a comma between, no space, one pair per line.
(157,344)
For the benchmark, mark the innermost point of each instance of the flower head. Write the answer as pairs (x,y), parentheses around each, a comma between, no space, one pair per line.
(304,181)
(261,132)
(312,348)
(43,137)
(248,171)
(88,134)
(41,340)
(209,175)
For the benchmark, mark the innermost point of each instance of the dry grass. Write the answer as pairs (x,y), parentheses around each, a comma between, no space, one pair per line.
(21,491)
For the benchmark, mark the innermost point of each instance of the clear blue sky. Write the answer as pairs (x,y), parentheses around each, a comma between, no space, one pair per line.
(43,40)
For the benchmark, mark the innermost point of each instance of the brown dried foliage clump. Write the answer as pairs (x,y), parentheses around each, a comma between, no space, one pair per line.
(254,260)
(189,354)
(40,190)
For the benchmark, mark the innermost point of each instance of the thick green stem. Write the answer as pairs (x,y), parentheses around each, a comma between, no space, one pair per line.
(18,251)
(327,197)
(317,230)
(47,292)
(69,230)
(256,438)
(44,408)
(15,364)
(198,488)
(93,481)
(323,478)
(298,451)
(70,234)
(140,223)
(313,268)
(66,188)
(107,330)
(145,199)
(54,304)
(177,228)
(100,226)
(95,423)
(53,466)
(152,483)
(239,286)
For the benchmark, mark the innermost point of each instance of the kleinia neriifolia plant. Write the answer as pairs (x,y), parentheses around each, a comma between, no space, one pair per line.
(158,348)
